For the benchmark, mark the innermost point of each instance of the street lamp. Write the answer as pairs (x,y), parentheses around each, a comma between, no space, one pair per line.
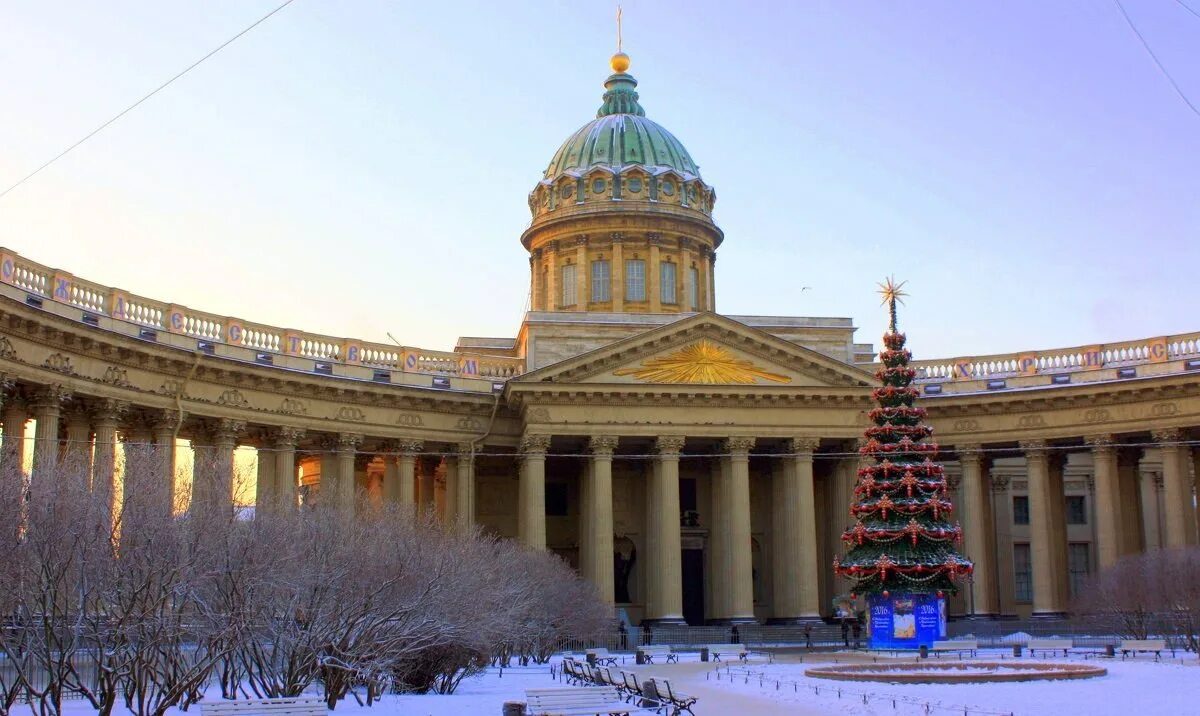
(971,590)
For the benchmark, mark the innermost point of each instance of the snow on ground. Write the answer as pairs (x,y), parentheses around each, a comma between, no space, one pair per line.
(1131,687)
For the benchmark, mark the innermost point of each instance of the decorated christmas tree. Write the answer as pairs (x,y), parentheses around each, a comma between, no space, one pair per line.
(901,554)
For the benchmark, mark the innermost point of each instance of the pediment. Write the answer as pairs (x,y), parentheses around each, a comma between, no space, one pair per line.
(705,349)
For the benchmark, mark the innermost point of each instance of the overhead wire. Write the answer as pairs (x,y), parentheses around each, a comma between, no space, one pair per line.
(153,92)
(1161,68)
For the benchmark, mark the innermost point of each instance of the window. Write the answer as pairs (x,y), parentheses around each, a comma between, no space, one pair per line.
(556,499)
(1076,510)
(1078,565)
(601,278)
(1020,510)
(568,285)
(635,280)
(1022,573)
(693,288)
(666,282)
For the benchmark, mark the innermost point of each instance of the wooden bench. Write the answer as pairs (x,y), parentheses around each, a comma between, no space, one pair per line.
(585,701)
(293,706)
(601,656)
(1050,646)
(1133,646)
(649,653)
(969,645)
(739,650)
(677,702)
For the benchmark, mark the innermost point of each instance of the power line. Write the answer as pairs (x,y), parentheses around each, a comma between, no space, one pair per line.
(1187,7)
(153,92)
(1154,57)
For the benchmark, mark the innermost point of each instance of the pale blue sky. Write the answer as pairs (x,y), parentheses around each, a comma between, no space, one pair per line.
(361,167)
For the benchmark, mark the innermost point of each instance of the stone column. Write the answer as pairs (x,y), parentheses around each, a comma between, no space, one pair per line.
(582,275)
(265,497)
(664,573)
(977,530)
(1108,500)
(1042,539)
(1002,519)
(406,472)
(1177,493)
(47,409)
(794,532)
(78,452)
(347,450)
(164,427)
(532,491)
(617,274)
(598,542)
(138,476)
(465,485)
(327,492)
(286,488)
(738,569)
(426,472)
(106,415)
(16,414)
(224,433)
(1149,488)
(1131,517)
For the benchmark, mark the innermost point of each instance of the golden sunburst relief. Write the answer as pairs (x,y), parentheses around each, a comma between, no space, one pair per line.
(704,362)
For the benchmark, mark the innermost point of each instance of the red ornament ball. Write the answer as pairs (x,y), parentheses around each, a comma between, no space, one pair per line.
(886,594)
(940,594)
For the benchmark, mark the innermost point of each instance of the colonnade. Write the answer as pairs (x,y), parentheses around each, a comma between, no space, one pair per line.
(794,538)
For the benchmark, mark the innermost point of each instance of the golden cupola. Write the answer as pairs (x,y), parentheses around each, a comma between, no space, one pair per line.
(622,220)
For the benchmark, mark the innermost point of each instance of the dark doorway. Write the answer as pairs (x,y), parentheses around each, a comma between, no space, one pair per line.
(693,586)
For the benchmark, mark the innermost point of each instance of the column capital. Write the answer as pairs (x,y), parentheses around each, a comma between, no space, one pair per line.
(1033,447)
(408,446)
(669,444)
(286,438)
(349,442)
(602,445)
(226,431)
(464,451)
(534,443)
(1099,443)
(803,446)
(1167,435)
(972,454)
(50,398)
(953,480)
(738,445)
(108,412)
(999,481)
(168,419)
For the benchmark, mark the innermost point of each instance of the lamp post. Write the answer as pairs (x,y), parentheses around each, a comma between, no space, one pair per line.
(971,590)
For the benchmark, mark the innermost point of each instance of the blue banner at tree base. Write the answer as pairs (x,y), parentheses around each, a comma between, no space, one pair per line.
(903,620)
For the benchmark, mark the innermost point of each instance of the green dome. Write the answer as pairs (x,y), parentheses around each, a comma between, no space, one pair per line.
(621,135)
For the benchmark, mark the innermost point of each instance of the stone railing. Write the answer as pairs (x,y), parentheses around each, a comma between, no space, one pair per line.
(65,288)
(1146,351)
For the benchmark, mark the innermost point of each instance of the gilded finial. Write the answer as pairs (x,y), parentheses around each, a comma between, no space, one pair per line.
(892,293)
(619,61)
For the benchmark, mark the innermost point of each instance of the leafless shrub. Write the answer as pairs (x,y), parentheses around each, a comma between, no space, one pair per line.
(1147,594)
(149,606)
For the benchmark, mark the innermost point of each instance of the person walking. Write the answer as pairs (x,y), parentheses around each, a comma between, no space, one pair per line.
(857,626)
(808,636)
(845,631)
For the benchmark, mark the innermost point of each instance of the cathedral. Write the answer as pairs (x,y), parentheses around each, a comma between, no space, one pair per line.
(696,467)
